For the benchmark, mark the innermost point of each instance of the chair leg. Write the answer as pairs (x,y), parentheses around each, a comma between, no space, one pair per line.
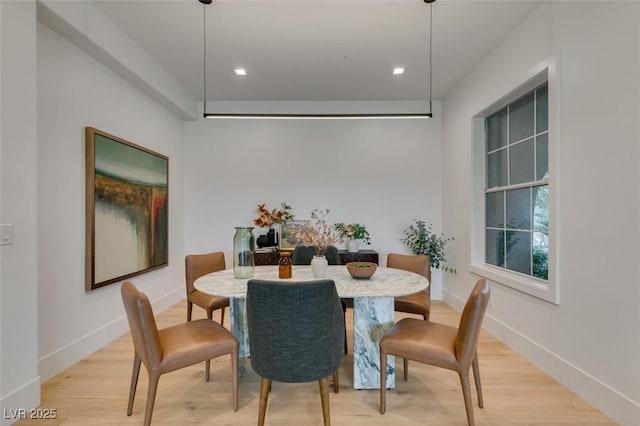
(344,317)
(405,368)
(265,385)
(466,393)
(207,369)
(476,378)
(336,382)
(324,397)
(383,381)
(346,348)
(210,314)
(222,316)
(189,310)
(234,376)
(151,397)
(134,383)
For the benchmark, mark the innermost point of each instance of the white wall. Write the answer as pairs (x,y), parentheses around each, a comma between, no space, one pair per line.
(590,341)
(19,385)
(381,173)
(75,91)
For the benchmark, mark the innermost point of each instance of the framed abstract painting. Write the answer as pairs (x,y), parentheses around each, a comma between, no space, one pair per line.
(288,239)
(127,210)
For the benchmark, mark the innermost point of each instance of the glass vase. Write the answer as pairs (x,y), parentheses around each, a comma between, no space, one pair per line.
(244,247)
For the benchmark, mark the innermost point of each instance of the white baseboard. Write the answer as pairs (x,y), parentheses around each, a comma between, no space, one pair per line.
(63,358)
(17,404)
(609,401)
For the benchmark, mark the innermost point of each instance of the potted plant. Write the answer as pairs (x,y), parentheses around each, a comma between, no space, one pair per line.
(353,233)
(421,240)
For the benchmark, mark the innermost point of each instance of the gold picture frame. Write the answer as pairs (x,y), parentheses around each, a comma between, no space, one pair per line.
(127,209)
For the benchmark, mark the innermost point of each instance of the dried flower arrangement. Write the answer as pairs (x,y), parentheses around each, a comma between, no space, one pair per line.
(267,217)
(318,232)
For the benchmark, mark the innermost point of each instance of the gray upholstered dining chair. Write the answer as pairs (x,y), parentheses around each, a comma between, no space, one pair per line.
(195,266)
(172,348)
(441,345)
(296,330)
(302,255)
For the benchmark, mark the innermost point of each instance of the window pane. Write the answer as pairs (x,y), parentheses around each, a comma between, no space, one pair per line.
(495,210)
(542,109)
(521,119)
(518,257)
(541,208)
(540,266)
(519,209)
(521,162)
(497,169)
(497,130)
(542,157)
(495,247)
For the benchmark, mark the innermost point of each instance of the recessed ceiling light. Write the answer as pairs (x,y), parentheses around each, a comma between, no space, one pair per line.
(398,71)
(240,71)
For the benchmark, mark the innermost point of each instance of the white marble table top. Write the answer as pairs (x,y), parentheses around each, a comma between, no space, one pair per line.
(386,282)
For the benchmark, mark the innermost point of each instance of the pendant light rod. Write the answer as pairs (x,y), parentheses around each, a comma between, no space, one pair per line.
(430,2)
(204,52)
(310,116)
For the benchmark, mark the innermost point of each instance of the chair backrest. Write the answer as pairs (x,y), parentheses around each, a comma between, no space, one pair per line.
(420,264)
(471,322)
(197,265)
(144,331)
(296,329)
(302,255)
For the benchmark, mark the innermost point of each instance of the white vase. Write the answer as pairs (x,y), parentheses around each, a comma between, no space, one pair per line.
(352,246)
(319,266)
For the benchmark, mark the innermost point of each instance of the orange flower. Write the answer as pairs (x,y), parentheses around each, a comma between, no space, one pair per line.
(268,217)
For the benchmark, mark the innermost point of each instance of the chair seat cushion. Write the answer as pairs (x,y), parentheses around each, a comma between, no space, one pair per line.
(417,303)
(193,342)
(208,301)
(422,341)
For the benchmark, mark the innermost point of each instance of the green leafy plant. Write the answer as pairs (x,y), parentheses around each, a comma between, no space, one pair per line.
(421,240)
(353,231)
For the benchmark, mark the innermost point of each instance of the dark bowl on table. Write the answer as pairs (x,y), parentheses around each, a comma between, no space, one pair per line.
(361,270)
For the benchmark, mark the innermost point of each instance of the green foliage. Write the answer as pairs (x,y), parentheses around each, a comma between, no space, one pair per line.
(421,240)
(540,264)
(353,231)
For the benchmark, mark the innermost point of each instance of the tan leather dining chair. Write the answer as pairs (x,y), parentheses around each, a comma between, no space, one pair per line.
(197,265)
(417,303)
(441,345)
(172,348)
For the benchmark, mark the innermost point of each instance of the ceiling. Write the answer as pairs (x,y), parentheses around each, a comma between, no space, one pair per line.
(322,50)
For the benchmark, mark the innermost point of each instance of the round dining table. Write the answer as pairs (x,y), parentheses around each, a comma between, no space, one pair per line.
(373,309)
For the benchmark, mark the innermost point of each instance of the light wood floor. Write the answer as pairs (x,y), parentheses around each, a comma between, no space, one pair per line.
(95,391)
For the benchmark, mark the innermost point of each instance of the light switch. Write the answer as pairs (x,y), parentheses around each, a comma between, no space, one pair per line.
(6,234)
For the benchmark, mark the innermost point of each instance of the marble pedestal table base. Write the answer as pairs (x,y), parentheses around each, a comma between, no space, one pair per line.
(372,317)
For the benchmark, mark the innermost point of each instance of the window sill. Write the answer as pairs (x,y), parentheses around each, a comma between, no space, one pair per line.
(544,290)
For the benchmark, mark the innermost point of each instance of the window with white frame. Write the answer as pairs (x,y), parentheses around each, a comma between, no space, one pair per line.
(516,194)
(514,180)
